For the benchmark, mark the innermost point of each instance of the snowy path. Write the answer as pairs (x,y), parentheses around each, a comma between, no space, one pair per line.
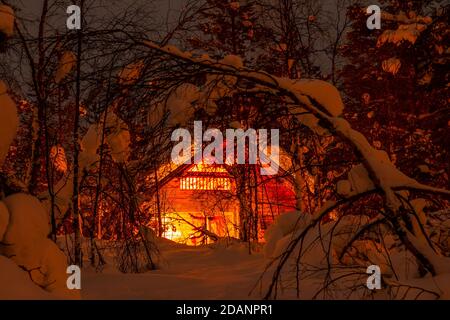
(187,273)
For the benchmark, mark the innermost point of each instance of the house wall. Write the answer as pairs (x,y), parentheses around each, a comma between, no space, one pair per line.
(275,196)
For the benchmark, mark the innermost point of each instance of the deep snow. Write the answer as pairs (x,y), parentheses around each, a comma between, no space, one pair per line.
(207,272)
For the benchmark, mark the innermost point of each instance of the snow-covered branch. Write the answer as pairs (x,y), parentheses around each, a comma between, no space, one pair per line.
(323,101)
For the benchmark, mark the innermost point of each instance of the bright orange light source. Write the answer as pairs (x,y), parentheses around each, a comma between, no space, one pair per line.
(202,167)
(205,183)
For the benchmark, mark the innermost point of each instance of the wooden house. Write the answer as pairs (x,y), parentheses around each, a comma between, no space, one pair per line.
(199,202)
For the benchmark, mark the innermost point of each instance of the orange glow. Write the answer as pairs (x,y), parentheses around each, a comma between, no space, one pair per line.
(185,227)
(206,177)
(202,167)
(205,183)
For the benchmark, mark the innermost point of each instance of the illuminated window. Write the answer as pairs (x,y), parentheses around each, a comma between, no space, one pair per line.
(206,177)
(205,183)
(202,167)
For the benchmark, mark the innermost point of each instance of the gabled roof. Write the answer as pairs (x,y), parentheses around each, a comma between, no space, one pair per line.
(182,169)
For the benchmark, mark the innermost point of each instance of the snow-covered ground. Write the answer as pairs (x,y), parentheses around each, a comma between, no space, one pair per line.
(204,272)
(185,272)
(193,273)
(16,284)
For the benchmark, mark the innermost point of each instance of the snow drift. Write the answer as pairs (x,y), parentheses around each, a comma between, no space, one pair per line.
(25,242)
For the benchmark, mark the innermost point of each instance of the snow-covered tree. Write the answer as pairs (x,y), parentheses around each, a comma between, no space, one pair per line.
(397,213)
(396,84)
